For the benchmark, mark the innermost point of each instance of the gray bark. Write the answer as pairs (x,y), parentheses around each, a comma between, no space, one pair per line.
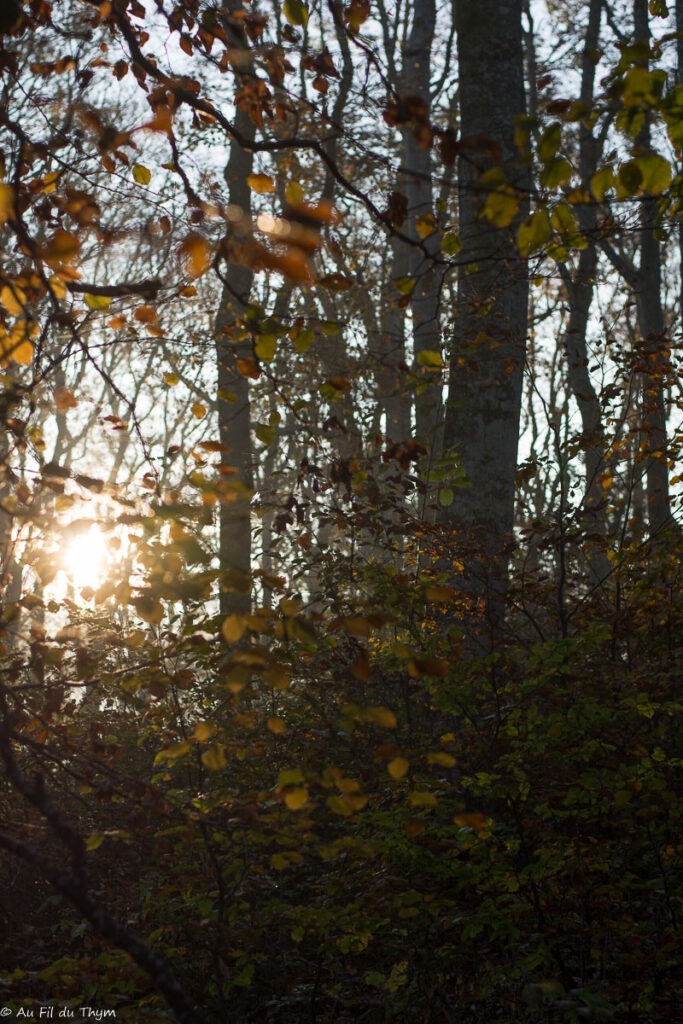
(653,331)
(488,349)
(424,304)
(234,414)
(580,286)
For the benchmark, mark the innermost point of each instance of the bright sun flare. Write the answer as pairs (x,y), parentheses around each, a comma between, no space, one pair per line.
(86,557)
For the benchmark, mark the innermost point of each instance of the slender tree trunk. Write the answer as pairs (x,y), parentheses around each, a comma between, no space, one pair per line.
(488,349)
(652,329)
(234,415)
(424,302)
(581,287)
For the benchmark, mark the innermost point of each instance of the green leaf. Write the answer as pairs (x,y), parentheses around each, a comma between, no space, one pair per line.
(405,285)
(430,358)
(501,206)
(550,141)
(142,175)
(265,347)
(296,12)
(556,172)
(451,244)
(655,171)
(533,232)
(601,181)
(265,433)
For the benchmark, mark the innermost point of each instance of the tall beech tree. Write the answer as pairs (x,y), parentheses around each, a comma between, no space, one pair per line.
(488,346)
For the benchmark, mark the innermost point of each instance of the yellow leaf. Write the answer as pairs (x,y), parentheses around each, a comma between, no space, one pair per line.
(294,194)
(142,175)
(430,359)
(442,759)
(50,182)
(214,758)
(13,299)
(94,841)
(58,287)
(171,379)
(172,753)
(296,798)
(277,726)
(6,202)
(198,411)
(398,767)
(290,606)
(234,628)
(381,716)
(289,777)
(204,731)
(261,183)
(97,301)
(425,225)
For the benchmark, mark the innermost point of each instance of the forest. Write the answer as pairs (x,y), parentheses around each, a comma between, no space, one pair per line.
(341,511)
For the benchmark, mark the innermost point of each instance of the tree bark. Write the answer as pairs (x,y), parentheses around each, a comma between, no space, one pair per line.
(424,302)
(234,415)
(489,344)
(653,332)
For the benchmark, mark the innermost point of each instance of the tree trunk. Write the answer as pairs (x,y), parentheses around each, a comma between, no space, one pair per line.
(652,329)
(234,416)
(580,287)
(488,349)
(424,302)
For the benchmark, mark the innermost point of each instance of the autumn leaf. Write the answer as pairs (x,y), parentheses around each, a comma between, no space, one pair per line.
(296,797)
(65,399)
(261,183)
(214,758)
(296,12)
(97,301)
(142,175)
(6,202)
(195,254)
(234,628)
(398,767)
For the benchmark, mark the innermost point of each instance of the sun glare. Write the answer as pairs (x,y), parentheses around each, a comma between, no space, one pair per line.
(86,558)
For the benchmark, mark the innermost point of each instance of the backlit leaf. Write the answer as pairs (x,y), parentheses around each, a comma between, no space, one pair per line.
(97,301)
(142,175)
(296,12)
(265,347)
(261,183)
